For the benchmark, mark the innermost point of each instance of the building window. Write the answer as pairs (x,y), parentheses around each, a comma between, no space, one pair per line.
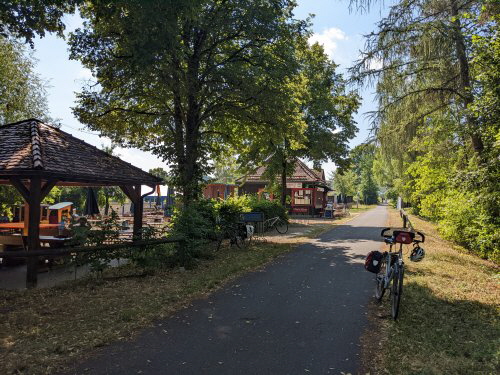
(302,197)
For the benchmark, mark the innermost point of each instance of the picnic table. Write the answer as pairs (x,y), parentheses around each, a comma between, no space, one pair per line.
(21,226)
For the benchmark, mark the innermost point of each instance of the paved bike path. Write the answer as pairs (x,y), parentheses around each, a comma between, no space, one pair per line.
(304,313)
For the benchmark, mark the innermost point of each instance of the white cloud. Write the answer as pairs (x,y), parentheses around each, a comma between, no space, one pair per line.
(328,39)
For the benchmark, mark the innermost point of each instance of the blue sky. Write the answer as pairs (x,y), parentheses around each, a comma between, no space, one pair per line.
(334,25)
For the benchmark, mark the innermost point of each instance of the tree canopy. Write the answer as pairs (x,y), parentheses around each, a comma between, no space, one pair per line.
(22,92)
(26,19)
(186,79)
(437,125)
(322,122)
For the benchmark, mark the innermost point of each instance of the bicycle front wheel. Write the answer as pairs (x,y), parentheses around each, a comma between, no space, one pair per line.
(396,291)
(281,226)
(242,241)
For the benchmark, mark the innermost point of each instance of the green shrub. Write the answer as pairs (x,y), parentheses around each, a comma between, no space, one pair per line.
(195,224)
(269,208)
(465,221)
(204,220)
(230,210)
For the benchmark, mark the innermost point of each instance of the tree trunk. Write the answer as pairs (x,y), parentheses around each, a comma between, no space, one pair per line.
(465,80)
(191,170)
(283,182)
(191,178)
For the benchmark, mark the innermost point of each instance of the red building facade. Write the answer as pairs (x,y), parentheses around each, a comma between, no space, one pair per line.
(306,188)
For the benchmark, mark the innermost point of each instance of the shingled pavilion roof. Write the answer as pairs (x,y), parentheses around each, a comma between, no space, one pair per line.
(302,173)
(32,148)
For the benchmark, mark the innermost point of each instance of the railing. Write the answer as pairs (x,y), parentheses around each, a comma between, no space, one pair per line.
(32,269)
(406,220)
(86,249)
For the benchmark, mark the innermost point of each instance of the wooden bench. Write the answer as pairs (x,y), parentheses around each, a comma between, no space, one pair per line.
(12,240)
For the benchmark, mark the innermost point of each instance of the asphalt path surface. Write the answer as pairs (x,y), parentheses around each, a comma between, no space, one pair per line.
(302,314)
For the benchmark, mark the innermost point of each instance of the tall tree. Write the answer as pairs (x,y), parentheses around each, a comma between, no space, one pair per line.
(327,107)
(438,90)
(344,183)
(419,55)
(22,96)
(362,160)
(321,107)
(22,91)
(182,79)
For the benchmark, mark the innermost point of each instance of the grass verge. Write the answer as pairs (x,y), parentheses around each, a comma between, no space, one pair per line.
(449,318)
(361,207)
(43,330)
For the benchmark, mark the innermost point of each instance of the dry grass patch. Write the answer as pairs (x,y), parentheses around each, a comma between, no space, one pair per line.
(314,227)
(449,319)
(43,330)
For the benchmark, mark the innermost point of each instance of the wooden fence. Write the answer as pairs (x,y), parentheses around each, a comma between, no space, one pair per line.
(31,278)
(406,220)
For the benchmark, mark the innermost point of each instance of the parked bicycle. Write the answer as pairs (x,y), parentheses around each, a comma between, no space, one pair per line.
(237,233)
(277,223)
(389,266)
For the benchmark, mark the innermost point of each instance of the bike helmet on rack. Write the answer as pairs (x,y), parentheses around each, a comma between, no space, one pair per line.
(417,254)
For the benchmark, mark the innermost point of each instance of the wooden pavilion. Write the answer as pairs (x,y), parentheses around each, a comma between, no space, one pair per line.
(35,157)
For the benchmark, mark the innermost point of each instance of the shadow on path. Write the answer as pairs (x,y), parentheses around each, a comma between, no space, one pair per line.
(303,313)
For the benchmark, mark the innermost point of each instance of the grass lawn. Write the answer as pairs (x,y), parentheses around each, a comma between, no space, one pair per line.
(361,207)
(449,319)
(43,330)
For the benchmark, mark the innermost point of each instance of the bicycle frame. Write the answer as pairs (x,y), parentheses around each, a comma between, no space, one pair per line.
(390,269)
(269,223)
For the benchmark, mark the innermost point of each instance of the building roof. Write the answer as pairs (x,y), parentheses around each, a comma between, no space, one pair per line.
(60,205)
(32,148)
(302,173)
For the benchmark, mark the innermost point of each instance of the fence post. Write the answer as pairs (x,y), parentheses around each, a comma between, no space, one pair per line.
(404,216)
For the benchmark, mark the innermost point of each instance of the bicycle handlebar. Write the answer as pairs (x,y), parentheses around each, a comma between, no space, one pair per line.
(383,232)
(422,236)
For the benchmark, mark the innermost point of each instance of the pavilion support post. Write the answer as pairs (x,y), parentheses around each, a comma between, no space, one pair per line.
(134,194)
(138,210)
(33,241)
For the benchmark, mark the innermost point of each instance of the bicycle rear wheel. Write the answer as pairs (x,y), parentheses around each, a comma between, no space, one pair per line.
(238,240)
(281,226)
(380,282)
(396,291)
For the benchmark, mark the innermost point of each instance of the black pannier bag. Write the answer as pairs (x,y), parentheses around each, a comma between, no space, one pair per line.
(373,261)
